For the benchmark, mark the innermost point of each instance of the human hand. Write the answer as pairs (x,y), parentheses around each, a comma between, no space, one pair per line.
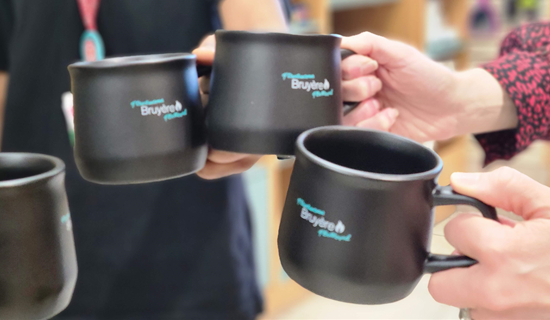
(434,103)
(512,278)
(219,163)
(359,82)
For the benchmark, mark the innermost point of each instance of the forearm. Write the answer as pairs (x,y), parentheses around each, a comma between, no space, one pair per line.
(486,105)
(3,95)
(254,15)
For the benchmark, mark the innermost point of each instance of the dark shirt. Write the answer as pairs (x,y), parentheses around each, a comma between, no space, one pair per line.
(179,249)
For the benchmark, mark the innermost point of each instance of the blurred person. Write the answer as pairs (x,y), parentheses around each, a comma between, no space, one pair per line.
(507,104)
(178,249)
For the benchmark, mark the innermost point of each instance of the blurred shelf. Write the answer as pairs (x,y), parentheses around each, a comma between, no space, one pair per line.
(304,27)
(446,49)
(338,5)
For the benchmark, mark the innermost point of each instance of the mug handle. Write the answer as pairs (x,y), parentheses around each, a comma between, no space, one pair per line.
(203,70)
(348,106)
(447,196)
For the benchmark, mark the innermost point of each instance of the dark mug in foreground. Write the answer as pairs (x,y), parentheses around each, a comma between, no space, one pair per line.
(38,267)
(138,119)
(267,88)
(357,221)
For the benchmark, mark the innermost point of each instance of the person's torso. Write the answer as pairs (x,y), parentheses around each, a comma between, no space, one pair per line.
(179,249)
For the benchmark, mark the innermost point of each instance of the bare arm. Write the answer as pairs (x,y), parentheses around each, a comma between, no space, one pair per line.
(4,77)
(259,15)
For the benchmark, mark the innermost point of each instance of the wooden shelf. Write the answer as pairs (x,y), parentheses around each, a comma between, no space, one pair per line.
(337,5)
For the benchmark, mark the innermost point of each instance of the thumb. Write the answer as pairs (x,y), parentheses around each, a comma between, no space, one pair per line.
(206,50)
(506,188)
(384,51)
(204,55)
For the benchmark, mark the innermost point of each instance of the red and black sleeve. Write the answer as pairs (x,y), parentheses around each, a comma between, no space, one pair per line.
(523,71)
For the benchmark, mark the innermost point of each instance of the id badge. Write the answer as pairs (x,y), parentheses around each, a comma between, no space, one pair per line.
(68,112)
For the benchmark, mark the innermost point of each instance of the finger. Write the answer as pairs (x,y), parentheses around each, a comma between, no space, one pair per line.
(475,236)
(204,84)
(363,111)
(215,171)
(360,89)
(208,41)
(482,314)
(505,188)
(223,157)
(383,120)
(357,65)
(507,221)
(205,55)
(519,313)
(204,99)
(384,51)
(458,287)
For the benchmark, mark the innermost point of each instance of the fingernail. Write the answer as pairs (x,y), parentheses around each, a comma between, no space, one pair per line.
(371,108)
(374,105)
(465,178)
(369,67)
(393,113)
(388,119)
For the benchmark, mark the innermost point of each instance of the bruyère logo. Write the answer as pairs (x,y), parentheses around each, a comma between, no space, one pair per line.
(159,108)
(327,229)
(307,82)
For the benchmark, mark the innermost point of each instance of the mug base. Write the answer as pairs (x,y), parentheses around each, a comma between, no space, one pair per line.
(280,143)
(346,290)
(142,170)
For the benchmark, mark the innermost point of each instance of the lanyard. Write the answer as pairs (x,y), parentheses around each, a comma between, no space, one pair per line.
(91,43)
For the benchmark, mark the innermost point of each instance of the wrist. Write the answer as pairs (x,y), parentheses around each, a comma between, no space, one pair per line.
(484,106)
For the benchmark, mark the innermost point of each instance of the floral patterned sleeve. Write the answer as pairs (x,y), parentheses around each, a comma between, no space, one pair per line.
(523,70)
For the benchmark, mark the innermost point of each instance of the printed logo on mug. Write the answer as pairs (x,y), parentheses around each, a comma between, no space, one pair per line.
(325,228)
(159,108)
(307,82)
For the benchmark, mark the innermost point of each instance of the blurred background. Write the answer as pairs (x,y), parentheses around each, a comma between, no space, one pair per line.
(461,34)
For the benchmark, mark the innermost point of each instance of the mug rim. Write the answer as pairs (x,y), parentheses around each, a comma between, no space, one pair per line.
(429,174)
(127,61)
(277,34)
(59,166)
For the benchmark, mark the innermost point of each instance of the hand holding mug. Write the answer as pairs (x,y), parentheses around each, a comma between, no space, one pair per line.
(360,83)
(511,279)
(434,103)
(219,163)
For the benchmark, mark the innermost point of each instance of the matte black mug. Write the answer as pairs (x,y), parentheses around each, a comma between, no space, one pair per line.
(358,216)
(38,267)
(267,88)
(138,119)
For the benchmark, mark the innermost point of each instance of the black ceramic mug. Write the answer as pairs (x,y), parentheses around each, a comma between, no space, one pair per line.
(38,267)
(267,88)
(358,216)
(138,119)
